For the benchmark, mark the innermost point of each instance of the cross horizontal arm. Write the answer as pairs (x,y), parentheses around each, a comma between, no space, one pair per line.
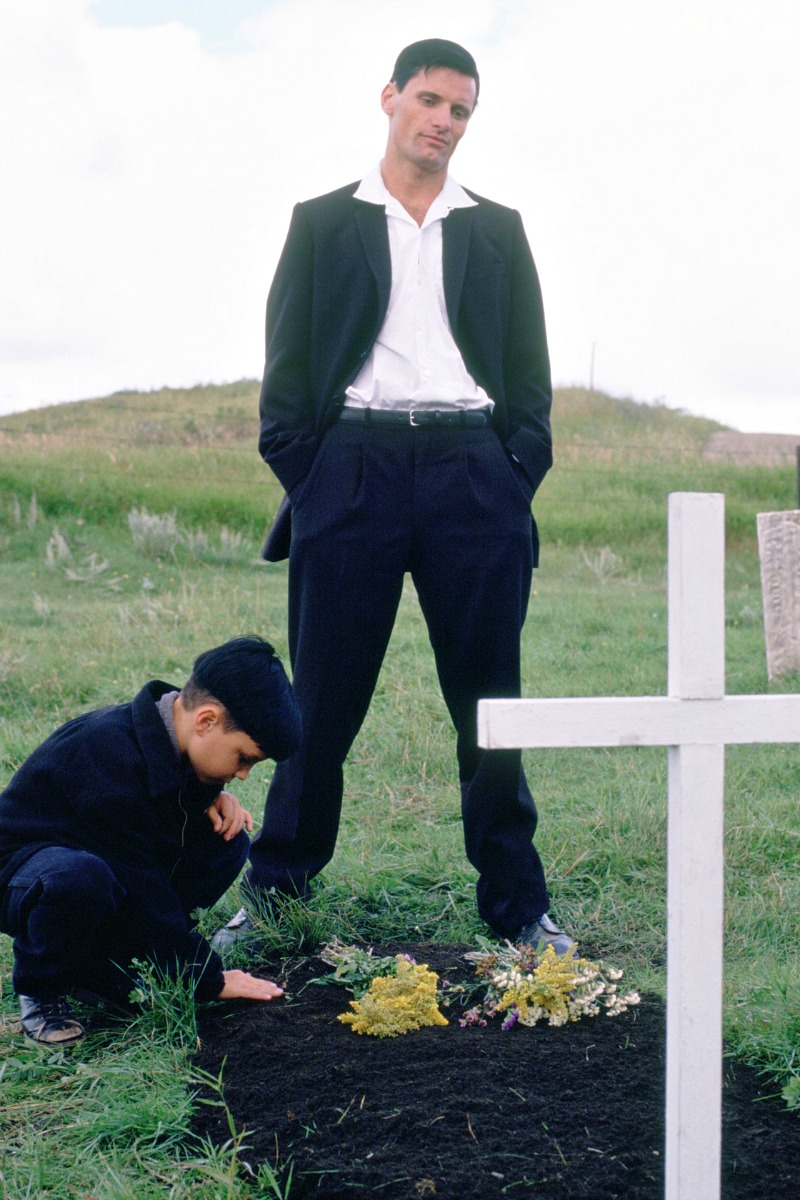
(637,721)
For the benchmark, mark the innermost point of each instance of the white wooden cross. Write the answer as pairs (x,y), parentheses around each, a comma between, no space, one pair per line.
(694,720)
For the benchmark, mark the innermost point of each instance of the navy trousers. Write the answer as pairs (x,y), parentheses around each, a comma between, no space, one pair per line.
(449,507)
(72,926)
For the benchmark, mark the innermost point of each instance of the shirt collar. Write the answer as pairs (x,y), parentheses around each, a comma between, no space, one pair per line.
(373,190)
(166,770)
(165,707)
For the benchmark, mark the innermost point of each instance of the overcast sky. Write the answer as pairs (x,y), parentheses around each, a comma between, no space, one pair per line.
(152,151)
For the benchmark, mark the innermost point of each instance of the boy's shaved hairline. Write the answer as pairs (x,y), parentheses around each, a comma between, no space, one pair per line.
(193,696)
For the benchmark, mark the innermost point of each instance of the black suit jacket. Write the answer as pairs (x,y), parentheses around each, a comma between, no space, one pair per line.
(327,304)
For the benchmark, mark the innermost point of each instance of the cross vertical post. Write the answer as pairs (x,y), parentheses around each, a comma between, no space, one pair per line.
(694,721)
(696,774)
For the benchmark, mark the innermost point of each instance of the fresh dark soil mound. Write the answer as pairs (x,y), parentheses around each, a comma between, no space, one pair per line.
(556,1114)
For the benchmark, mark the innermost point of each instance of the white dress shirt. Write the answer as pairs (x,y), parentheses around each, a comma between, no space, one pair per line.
(415,362)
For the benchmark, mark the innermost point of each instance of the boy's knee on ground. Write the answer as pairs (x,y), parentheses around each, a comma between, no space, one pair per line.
(74,879)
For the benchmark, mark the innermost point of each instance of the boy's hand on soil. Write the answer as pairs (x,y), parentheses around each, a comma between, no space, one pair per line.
(241,985)
(228,817)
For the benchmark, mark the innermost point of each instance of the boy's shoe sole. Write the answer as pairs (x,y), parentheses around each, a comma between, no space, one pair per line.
(50,1022)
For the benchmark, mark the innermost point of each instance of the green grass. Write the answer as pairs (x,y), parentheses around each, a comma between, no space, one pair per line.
(88,616)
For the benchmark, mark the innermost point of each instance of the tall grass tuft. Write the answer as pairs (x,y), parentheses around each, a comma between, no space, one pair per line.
(57,551)
(158,535)
(154,534)
(33,512)
(230,548)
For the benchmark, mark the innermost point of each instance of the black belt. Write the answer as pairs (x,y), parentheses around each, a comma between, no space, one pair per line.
(461,418)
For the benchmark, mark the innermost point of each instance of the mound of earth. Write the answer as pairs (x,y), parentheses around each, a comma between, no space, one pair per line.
(455,1113)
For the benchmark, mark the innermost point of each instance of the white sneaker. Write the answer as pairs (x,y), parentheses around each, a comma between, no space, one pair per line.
(543,933)
(234,932)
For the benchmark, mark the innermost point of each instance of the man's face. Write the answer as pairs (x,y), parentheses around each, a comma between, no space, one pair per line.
(429,117)
(217,754)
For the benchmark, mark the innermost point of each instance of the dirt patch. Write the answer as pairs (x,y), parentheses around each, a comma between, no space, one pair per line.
(575,1113)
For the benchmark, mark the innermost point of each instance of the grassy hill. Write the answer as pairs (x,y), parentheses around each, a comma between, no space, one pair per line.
(93,603)
(151,449)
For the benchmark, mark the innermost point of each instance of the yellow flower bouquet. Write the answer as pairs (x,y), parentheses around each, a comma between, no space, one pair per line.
(395,995)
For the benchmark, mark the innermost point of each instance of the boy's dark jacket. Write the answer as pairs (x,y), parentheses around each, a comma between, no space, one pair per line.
(110,782)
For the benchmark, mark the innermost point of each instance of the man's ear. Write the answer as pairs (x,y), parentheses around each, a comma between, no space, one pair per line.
(387,98)
(206,717)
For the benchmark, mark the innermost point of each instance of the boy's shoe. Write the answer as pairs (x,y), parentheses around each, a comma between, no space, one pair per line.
(49,1021)
(543,933)
(237,929)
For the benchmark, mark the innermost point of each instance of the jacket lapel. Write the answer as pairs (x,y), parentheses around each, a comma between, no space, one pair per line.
(371,222)
(456,235)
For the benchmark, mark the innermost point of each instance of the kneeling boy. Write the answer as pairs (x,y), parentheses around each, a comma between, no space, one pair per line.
(118,827)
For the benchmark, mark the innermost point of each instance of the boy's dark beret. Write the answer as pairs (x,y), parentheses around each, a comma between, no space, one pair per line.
(246,676)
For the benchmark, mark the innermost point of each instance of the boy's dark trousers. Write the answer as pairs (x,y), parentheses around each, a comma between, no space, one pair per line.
(73,925)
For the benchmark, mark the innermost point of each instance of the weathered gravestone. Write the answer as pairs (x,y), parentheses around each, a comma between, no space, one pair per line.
(694,720)
(779,555)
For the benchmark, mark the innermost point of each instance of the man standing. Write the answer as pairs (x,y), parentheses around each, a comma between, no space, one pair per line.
(405,409)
